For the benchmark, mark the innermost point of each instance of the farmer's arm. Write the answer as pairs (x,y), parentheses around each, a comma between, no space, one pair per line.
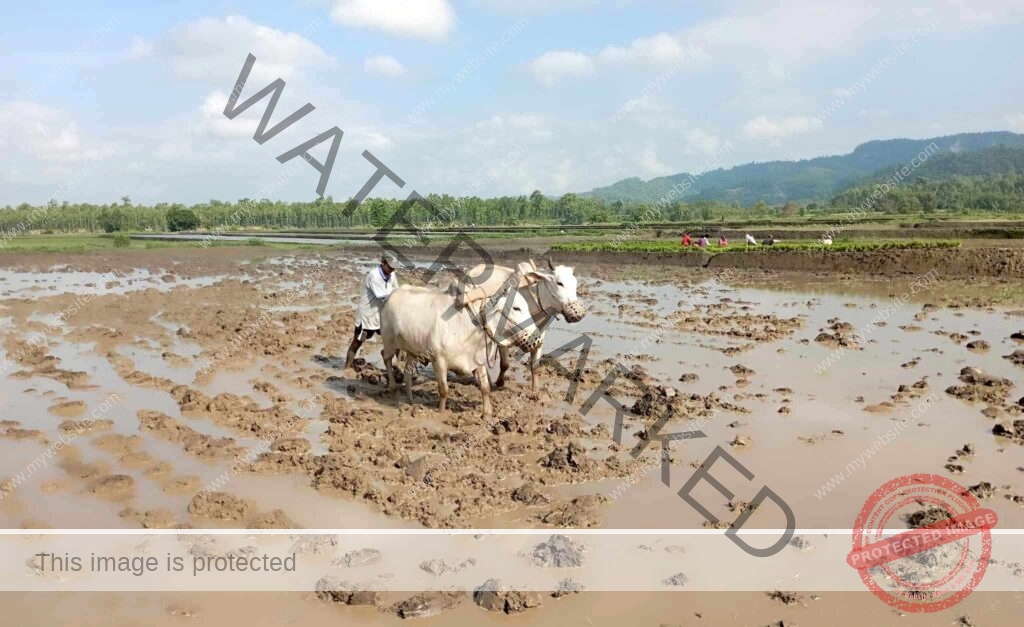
(380,289)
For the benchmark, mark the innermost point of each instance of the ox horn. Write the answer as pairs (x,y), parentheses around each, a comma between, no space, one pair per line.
(551,266)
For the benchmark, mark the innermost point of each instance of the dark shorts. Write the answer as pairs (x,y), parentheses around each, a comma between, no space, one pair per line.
(362,336)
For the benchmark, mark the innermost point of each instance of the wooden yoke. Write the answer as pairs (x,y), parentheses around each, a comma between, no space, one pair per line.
(472,290)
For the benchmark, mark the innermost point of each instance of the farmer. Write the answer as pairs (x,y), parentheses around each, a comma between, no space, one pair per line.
(703,243)
(722,241)
(687,240)
(750,240)
(377,286)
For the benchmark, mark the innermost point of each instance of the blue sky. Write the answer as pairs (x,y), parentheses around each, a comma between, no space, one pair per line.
(582,92)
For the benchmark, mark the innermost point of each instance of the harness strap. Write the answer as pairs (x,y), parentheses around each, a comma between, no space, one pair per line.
(489,339)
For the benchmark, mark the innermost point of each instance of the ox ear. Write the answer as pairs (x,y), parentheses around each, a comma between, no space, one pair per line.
(537,276)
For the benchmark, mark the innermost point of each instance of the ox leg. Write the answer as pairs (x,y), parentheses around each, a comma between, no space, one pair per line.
(410,372)
(441,372)
(485,390)
(503,354)
(534,364)
(389,366)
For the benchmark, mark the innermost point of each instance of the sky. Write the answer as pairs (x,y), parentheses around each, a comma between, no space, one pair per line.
(484,97)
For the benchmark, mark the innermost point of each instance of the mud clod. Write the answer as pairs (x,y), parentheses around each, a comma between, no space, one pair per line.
(494,597)
(85,426)
(68,409)
(981,387)
(428,604)
(314,545)
(558,552)
(220,506)
(334,590)
(978,346)
(927,516)
(982,491)
(580,513)
(529,494)
(1016,357)
(1014,432)
(786,598)
(740,441)
(113,487)
(567,587)
(569,458)
(356,559)
(274,519)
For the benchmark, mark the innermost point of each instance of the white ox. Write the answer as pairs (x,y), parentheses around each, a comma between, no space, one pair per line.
(413,321)
(552,293)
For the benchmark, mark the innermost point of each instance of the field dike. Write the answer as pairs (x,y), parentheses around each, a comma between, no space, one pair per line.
(985,262)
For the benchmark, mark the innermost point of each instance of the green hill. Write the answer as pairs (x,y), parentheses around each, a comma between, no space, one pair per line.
(821,178)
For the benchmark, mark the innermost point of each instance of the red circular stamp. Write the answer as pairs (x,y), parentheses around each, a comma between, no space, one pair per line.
(922,543)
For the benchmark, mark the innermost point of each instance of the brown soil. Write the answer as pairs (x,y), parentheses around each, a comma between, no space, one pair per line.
(960,262)
(537,463)
(68,409)
(193,443)
(220,506)
(117,487)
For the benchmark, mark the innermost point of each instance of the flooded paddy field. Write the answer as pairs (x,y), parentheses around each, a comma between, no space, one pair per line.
(204,388)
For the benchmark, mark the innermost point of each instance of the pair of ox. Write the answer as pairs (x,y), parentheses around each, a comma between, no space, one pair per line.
(459,328)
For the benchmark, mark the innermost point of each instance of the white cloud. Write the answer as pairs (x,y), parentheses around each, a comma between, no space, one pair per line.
(45,133)
(772,41)
(211,114)
(763,128)
(1015,122)
(214,49)
(551,66)
(700,141)
(139,49)
(873,114)
(658,49)
(537,6)
(430,20)
(649,163)
(383,64)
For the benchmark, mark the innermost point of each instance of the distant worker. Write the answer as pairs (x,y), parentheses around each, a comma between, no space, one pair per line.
(751,240)
(826,240)
(722,241)
(377,286)
(703,242)
(687,240)
(769,241)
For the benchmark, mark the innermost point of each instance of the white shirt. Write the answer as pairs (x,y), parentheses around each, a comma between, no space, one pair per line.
(376,289)
(750,239)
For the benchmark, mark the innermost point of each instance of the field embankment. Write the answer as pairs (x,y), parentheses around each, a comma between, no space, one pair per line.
(947,261)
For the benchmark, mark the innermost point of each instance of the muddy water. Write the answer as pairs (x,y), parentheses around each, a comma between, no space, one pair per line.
(593,609)
(824,429)
(47,496)
(684,325)
(797,452)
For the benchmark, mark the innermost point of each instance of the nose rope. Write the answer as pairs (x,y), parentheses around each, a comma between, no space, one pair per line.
(489,339)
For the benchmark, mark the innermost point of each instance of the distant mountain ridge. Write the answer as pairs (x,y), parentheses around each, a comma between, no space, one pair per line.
(820,178)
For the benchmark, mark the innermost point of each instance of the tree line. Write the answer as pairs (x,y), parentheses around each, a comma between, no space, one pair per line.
(1002,193)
